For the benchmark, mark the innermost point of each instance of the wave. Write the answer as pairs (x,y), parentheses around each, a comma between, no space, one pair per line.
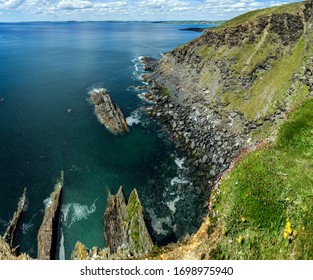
(179,180)
(159,224)
(180,162)
(133,119)
(62,247)
(172,204)
(138,68)
(74,212)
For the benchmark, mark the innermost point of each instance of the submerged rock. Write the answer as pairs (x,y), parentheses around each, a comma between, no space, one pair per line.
(47,235)
(125,226)
(108,113)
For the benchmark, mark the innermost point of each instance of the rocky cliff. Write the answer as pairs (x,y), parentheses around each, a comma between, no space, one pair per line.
(223,92)
(48,232)
(232,86)
(109,114)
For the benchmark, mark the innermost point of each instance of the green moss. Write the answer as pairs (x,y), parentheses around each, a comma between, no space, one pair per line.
(267,190)
(133,209)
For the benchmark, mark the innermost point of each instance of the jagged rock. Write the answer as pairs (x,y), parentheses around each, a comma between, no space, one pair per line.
(108,113)
(9,235)
(125,226)
(7,253)
(47,235)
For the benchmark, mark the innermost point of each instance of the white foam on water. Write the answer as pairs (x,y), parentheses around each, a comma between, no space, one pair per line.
(143,97)
(178,180)
(47,202)
(74,212)
(171,204)
(26,226)
(138,68)
(157,223)
(62,248)
(134,118)
(180,162)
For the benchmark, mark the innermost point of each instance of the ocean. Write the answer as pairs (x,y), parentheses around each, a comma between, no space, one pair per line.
(47,124)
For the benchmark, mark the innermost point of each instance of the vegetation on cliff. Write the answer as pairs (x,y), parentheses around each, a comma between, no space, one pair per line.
(262,209)
(258,66)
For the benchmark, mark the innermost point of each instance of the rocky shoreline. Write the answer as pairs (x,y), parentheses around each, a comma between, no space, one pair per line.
(208,138)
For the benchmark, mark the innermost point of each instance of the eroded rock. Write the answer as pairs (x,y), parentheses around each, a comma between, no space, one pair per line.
(48,232)
(108,113)
(125,225)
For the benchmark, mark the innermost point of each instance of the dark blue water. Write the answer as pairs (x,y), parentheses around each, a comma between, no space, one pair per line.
(48,125)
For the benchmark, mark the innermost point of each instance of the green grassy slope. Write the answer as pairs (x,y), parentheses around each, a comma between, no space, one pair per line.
(264,205)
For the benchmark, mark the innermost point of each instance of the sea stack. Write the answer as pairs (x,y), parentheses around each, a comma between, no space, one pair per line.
(108,113)
(47,234)
(125,226)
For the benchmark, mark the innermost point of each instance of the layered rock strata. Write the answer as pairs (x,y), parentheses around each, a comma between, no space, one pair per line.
(216,94)
(125,231)
(108,113)
(48,232)
(125,225)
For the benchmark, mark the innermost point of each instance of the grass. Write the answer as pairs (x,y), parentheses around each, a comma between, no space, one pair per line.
(271,86)
(251,16)
(264,205)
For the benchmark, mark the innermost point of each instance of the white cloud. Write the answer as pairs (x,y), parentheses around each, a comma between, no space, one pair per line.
(135,9)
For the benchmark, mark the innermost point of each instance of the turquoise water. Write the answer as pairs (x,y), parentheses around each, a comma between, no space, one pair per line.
(48,125)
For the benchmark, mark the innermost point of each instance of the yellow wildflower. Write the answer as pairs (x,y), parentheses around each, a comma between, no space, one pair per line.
(295,233)
(243,219)
(288,229)
(239,239)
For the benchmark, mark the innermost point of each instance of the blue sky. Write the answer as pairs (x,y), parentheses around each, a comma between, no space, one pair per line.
(56,10)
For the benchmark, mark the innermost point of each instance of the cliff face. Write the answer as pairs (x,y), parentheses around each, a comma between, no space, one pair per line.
(247,64)
(232,86)
(224,91)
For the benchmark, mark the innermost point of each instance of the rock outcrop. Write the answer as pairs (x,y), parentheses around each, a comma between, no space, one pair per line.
(108,113)
(9,235)
(125,231)
(48,232)
(7,251)
(125,225)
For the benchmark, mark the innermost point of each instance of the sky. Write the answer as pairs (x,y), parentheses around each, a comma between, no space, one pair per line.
(128,10)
